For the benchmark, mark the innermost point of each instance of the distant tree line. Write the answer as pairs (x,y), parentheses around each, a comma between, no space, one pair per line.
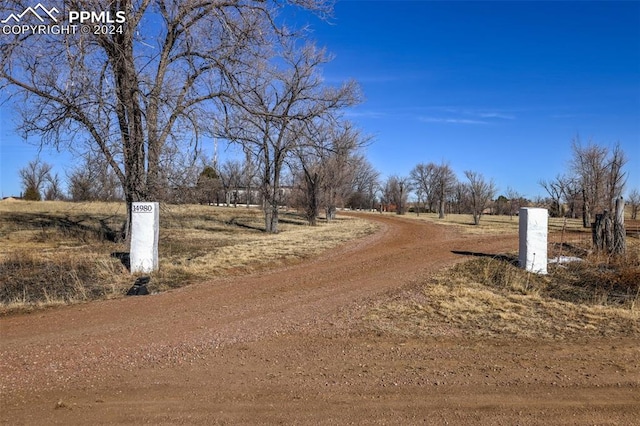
(595,179)
(436,189)
(328,170)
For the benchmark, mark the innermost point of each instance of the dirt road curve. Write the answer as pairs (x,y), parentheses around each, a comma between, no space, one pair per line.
(285,347)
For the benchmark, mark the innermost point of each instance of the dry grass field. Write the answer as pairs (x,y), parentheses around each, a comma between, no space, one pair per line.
(490,296)
(57,252)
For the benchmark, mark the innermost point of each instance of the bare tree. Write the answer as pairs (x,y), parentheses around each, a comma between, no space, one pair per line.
(600,177)
(92,180)
(34,175)
(588,165)
(516,200)
(480,192)
(634,202)
(269,105)
(341,166)
(616,176)
(572,196)
(444,181)
(310,160)
(231,175)
(179,174)
(134,91)
(396,192)
(458,197)
(422,179)
(555,189)
(53,190)
(327,162)
(365,184)
(307,187)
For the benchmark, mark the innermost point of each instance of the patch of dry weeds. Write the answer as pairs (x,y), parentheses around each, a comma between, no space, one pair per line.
(57,252)
(491,297)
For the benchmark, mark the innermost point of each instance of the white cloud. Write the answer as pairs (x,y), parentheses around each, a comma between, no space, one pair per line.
(451,120)
(496,115)
(457,115)
(365,114)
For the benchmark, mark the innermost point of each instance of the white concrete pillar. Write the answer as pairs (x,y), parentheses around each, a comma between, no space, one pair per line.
(533,239)
(145,232)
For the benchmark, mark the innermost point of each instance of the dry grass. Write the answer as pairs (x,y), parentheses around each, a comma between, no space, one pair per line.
(513,305)
(491,296)
(55,252)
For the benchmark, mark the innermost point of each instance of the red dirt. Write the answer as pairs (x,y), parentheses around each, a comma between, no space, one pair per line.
(287,346)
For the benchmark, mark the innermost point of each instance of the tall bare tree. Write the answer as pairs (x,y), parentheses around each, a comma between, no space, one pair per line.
(422,180)
(341,166)
(310,161)
(444,181)
(146,84)
(231,176)
(481,192)
(269,105)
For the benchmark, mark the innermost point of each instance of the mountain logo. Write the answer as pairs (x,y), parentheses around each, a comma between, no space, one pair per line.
(39,12)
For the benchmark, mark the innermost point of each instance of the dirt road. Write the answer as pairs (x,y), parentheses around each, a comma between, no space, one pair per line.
(287,347)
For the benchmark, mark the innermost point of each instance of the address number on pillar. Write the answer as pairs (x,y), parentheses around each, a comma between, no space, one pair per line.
(142,208)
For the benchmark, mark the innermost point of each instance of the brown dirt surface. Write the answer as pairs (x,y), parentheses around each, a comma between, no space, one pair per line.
(288,346)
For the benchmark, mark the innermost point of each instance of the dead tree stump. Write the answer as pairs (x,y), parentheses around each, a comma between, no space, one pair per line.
(602,231)
(619,233)
(608,233)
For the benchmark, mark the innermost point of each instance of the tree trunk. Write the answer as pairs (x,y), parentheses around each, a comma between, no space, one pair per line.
(586,214)
(619,232)
(441,209)
(602,232)
(312,206)
(330,213)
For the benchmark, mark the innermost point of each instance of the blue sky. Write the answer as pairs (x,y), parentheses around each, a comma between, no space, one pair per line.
(498,87)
